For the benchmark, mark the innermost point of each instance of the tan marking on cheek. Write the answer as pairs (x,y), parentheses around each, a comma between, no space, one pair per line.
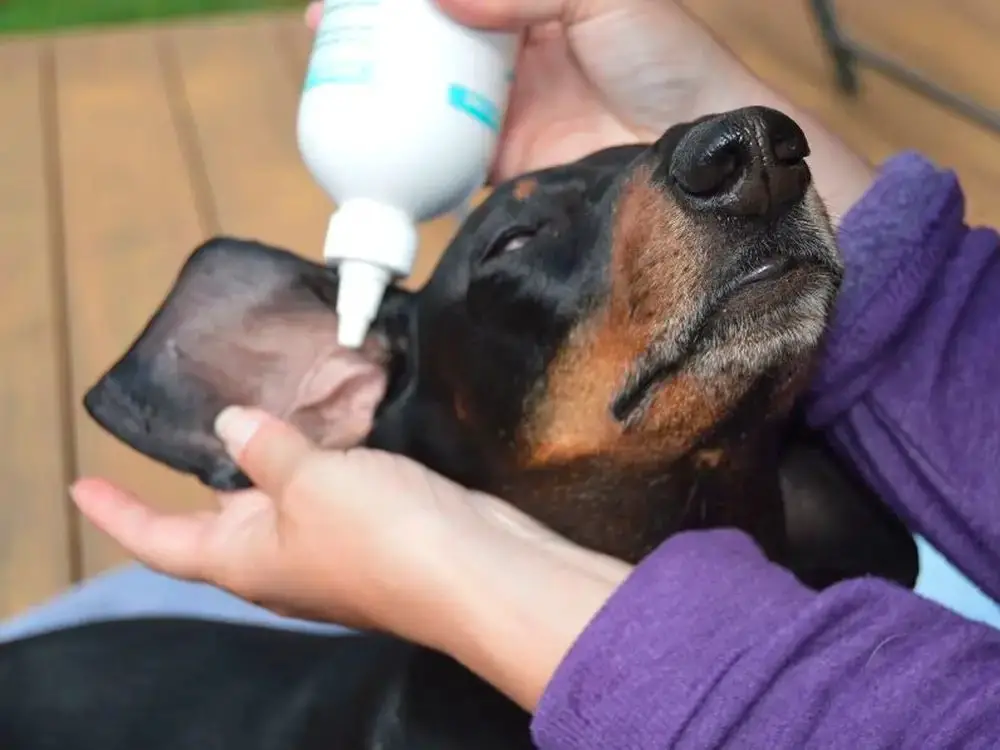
(655,271)
(683,410)
(657,259)
(524,189)
(572,417)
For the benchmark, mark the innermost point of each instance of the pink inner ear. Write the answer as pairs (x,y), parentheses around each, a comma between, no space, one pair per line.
(337,399)
(287,362)
(327,391)
(243,324)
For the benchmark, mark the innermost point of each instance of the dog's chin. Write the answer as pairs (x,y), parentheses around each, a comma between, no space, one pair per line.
(772,321)
(800,296)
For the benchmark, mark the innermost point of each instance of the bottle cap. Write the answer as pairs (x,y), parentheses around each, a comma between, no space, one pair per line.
(370,243)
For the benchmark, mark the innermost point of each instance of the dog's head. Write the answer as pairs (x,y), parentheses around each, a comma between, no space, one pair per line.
(607,343)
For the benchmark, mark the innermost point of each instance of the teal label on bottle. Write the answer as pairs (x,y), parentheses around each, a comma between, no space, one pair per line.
(344,44)
(475,105)
(343,71)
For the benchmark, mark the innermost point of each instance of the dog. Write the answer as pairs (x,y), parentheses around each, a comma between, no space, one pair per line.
(616,345)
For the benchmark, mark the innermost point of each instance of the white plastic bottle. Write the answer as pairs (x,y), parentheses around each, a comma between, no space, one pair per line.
(398,123)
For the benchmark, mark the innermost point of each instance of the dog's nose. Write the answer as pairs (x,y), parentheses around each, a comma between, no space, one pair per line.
(745,163)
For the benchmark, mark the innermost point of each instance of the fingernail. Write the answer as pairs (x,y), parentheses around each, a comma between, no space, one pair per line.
(235,426)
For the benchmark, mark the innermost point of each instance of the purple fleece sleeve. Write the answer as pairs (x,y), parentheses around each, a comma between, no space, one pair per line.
(909,389)
(707,644)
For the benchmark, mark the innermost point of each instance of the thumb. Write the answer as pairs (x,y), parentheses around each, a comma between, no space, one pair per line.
(508,15)
(271,452)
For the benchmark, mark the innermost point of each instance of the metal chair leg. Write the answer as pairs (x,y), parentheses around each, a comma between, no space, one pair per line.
(844,60)
(849,55)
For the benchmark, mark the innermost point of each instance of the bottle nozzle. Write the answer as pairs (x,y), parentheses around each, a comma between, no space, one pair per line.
(371,243)
(361,288)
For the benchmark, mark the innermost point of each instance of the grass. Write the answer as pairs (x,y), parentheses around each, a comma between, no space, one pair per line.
(43,15)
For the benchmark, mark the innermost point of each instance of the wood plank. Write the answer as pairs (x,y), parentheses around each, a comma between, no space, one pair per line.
(35,550)
(130,220)
(241,106)
(952,42)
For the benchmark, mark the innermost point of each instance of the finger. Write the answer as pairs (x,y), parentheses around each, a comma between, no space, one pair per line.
(314,11)
(269,451)
(510,14)
(171,544)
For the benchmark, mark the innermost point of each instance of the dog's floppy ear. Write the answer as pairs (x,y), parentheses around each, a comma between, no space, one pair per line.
(244,324)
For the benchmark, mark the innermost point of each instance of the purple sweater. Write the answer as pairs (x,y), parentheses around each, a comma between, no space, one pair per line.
(709,645)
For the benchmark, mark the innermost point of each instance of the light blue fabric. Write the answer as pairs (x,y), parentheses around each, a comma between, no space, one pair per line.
(136,591)
(942,582)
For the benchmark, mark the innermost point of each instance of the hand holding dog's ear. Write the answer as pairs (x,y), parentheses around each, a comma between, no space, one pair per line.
(359,537)
(328,535)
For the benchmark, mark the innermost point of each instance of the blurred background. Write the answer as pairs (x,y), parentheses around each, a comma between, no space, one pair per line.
(132,129)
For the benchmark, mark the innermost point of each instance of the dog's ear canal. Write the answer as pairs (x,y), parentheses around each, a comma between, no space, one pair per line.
(253,325)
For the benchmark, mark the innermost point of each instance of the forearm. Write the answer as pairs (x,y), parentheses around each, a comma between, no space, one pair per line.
(513,634)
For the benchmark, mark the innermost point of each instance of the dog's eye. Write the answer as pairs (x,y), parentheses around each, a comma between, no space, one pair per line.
(509,240)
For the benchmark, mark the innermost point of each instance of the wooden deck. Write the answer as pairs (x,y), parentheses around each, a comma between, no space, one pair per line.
(121,150)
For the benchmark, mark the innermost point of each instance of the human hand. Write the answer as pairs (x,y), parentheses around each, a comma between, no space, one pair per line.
(335,535)
(373,540)
(599,73)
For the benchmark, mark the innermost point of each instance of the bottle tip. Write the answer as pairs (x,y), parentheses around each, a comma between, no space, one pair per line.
(359,295)
(352,330)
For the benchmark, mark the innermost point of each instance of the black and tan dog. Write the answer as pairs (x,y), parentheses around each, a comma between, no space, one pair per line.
(615,345)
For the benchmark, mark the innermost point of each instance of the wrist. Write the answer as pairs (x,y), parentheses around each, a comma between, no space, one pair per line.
(517,604)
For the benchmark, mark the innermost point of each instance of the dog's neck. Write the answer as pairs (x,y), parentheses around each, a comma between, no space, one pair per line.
(626,511)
